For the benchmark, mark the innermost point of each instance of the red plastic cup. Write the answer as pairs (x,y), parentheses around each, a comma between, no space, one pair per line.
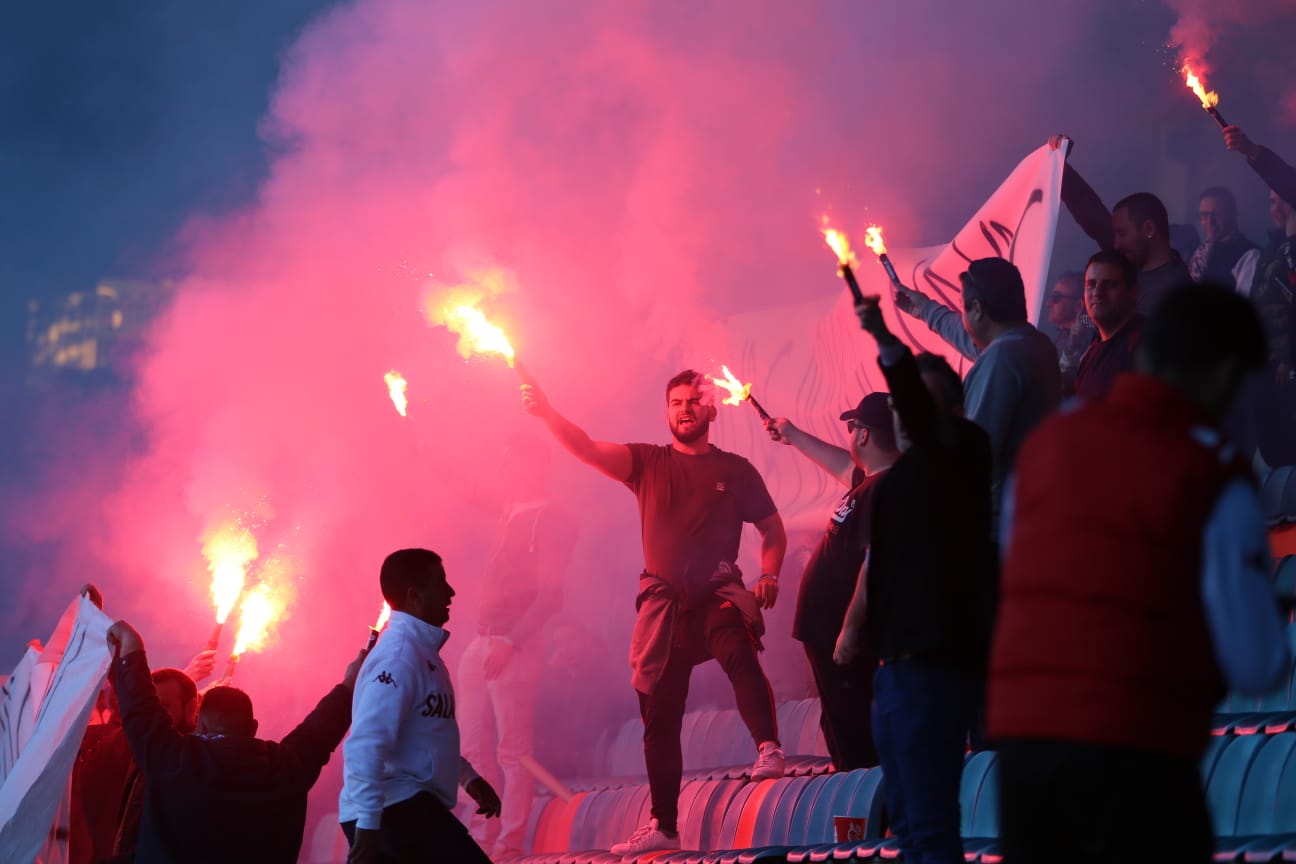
(850,828)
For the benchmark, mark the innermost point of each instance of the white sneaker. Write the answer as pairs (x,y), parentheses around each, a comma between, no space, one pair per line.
(649,838)
(770,763)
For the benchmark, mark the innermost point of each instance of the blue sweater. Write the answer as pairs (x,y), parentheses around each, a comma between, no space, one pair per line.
(1013,384)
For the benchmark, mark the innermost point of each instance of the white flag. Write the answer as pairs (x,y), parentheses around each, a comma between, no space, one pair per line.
(809,361)
(44,708)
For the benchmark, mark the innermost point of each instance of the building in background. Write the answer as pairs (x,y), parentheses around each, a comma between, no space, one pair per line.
(89,332)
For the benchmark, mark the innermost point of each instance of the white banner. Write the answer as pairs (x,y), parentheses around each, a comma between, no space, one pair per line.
(44,708)
(809,361)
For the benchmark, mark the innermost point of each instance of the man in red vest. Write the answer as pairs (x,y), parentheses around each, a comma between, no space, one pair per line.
(1130,602)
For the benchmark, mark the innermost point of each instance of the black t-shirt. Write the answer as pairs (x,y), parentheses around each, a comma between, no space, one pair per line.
(691,509)
(832,571)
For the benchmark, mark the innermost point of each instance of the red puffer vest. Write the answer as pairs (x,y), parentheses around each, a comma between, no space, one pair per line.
(1101,636)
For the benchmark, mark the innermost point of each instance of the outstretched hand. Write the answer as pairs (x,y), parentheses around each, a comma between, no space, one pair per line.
(1236,139)
(780,429)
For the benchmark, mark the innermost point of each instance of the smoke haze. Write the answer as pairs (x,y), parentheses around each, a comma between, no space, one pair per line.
(637,171)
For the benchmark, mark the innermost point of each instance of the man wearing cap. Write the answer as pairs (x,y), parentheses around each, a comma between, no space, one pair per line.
(1014,381)
(833,580)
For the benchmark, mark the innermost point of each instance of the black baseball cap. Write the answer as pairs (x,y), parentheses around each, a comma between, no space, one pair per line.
(874,412)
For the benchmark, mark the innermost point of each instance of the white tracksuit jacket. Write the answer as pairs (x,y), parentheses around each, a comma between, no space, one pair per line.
(404,736)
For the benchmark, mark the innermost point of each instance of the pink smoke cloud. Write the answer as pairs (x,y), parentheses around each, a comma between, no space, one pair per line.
(641,170)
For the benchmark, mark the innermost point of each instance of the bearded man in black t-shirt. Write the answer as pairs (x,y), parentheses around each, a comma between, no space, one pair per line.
(830,609)
(692,605)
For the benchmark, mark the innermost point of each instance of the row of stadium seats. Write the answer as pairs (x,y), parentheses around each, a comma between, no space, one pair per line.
(790,819)
(1251,793)
(1250,783)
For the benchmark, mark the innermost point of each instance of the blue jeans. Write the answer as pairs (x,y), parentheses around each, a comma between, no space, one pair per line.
(921,714)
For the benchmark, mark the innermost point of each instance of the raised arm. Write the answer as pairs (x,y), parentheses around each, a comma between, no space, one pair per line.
(909,394)
(316,737)
(1085,205)
(939,318)
(1277,174)
(614,460)
(831,458)
(152,738)
(948,324)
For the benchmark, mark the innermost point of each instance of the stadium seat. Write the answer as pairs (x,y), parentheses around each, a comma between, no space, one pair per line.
(979,808)
(712,817)
(1256,815)
(757,823)
(1224,785)
(733,813)
(777,828)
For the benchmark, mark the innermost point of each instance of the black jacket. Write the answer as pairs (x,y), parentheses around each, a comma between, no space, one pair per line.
(222,799)
(931,573)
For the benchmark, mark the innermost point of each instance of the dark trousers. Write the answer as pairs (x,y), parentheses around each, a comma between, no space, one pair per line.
(716,631)
(845,706)
(1063,802)
(420,830)
(921,714)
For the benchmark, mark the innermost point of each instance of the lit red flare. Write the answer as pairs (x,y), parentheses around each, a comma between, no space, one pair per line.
(378,625)
(1208,98)
(477,335)
(840,246)
(738,392)
(396,386)
(873,240)
(260,609)
(228,552)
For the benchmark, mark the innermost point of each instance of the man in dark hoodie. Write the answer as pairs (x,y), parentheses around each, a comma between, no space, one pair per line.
(221,794)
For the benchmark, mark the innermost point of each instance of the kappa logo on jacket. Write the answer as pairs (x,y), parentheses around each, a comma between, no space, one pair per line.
(385,677)
(439,705)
